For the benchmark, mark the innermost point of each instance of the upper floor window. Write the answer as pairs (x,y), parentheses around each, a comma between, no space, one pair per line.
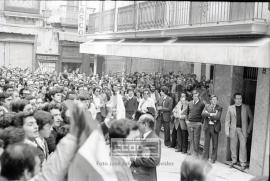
(23,6)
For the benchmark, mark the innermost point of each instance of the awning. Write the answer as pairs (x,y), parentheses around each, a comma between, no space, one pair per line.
(250,53)
(18,29)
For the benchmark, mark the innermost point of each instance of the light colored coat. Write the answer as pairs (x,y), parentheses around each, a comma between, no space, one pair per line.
(231,120)
(180,116)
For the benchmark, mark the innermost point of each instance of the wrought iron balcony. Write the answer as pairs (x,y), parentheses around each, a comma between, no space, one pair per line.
(152,15)
(125,18)
(101,22)
(164,15)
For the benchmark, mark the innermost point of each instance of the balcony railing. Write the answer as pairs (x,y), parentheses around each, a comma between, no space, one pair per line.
(93,23)
(107,19)
(179,13)
(209,12)
(151,15)
(100,22)
(69,15)
(125,18)
(172,14)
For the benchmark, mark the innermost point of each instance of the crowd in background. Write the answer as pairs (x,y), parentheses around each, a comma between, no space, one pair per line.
(34,113)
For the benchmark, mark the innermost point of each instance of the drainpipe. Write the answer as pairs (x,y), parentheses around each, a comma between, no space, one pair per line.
(115,16)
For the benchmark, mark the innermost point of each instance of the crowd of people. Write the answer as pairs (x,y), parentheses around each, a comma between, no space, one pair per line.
(55,126)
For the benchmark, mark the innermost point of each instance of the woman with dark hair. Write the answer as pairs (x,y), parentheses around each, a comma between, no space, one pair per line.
(146,105)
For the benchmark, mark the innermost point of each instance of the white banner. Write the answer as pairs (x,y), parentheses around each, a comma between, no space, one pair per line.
(82,18)
(46,67)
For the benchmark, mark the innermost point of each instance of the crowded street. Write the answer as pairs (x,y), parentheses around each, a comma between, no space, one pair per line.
(134,90)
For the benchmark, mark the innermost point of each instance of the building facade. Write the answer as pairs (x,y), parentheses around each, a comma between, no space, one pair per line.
(19,24)
(226,41)
(43,34)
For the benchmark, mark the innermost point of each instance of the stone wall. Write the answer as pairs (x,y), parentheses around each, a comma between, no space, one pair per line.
(259,160)
(227,81)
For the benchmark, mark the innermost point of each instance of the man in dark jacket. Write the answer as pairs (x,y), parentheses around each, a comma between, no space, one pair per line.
(144,168)
(131,104)
(53,139)
(165,106)
(212,127)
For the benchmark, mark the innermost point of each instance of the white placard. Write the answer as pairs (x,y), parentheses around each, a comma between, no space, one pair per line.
(47,67)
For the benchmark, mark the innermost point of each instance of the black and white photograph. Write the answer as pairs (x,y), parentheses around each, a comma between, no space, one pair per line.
(134,90)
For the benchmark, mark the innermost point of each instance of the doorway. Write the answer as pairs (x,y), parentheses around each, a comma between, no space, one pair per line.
(249,95)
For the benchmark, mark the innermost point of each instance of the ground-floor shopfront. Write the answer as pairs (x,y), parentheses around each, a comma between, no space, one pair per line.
(253,83)
(70,58)
(47,62)
(17,50)
(234,65)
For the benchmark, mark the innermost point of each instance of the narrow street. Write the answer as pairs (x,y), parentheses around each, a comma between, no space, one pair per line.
(196,73)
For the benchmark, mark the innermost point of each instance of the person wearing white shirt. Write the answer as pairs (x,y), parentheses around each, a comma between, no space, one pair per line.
(146,102)
(116,103)
(97,103)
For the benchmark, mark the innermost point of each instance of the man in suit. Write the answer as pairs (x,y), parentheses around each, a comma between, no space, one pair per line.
(180,133)
(164,107)
(237,128)
(144,168)
(212,127)
(194,123)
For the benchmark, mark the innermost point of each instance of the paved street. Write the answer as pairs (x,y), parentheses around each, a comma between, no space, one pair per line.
(170,167)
